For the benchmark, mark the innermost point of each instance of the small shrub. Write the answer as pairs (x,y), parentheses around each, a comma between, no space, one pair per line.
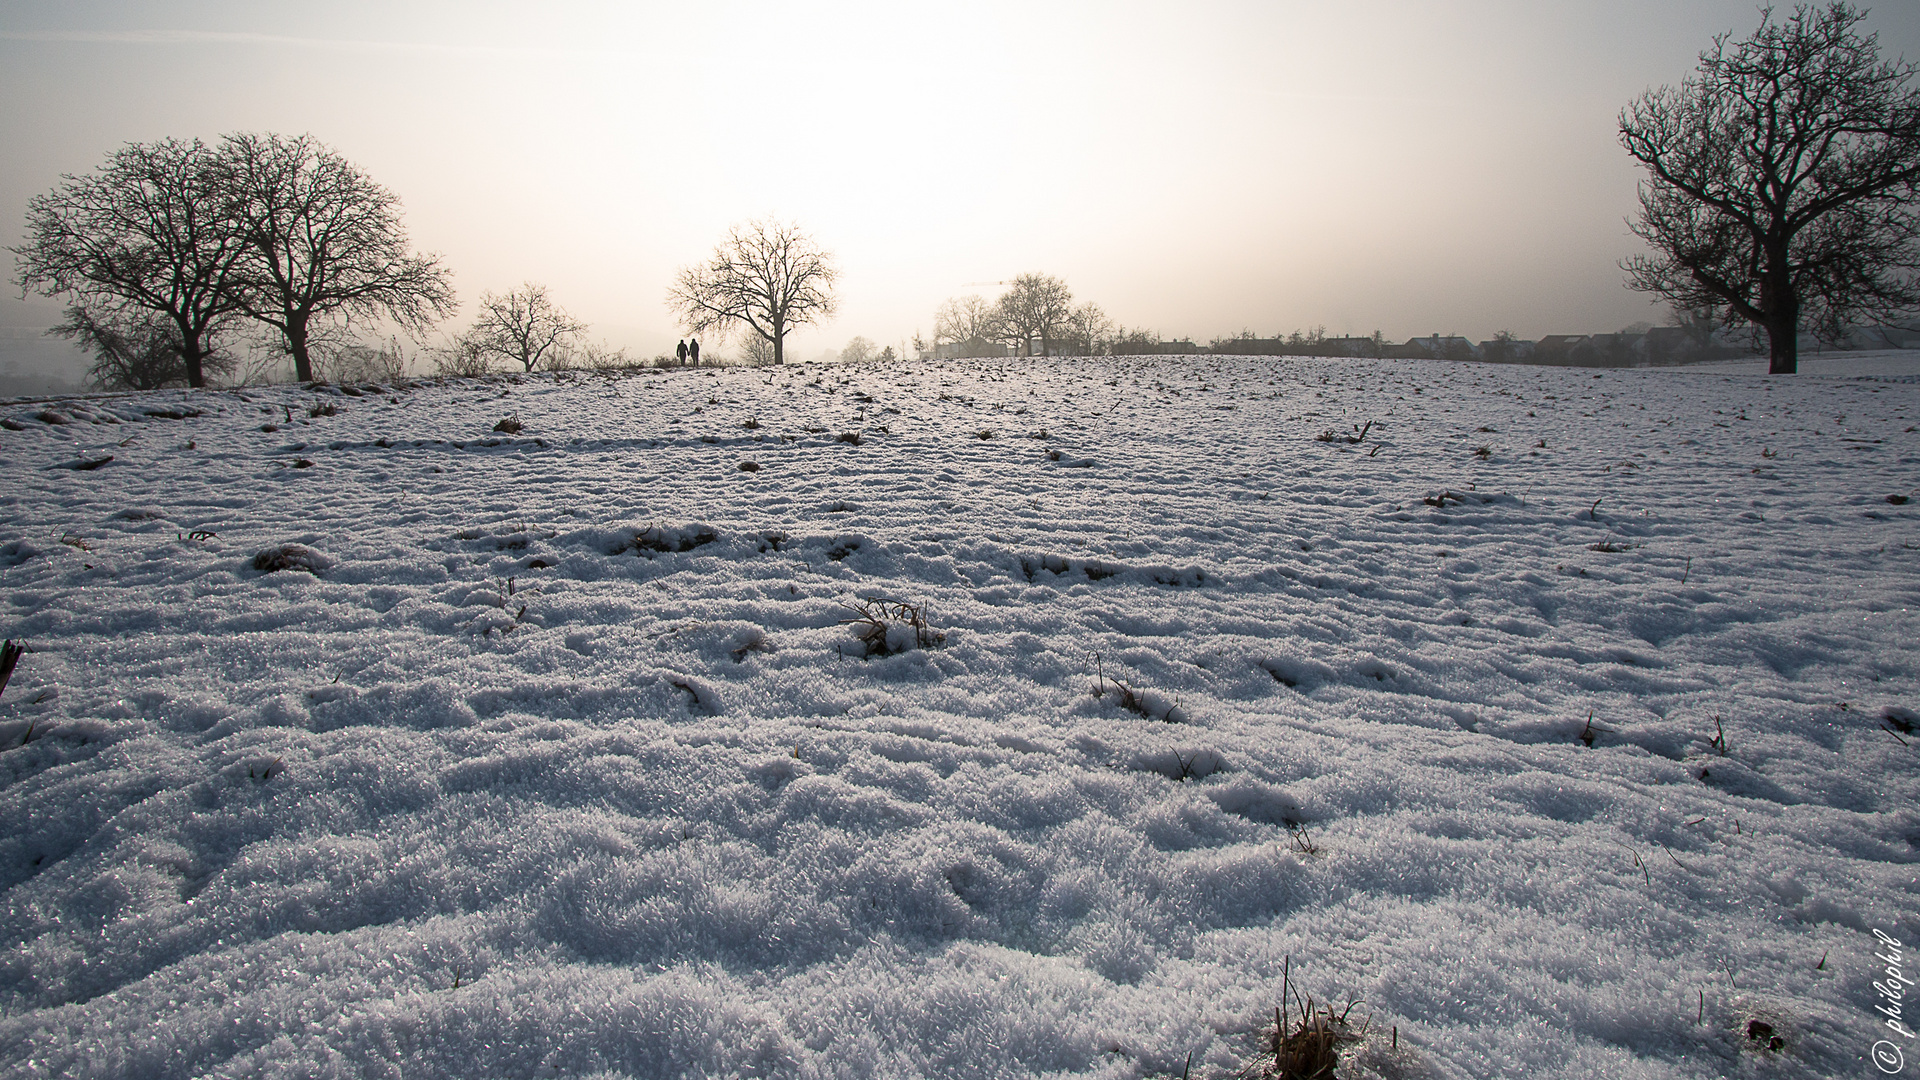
(508,425)
(751,423)
(322,408)
(851,438)
(886,627)
(1483,452)
(1591,731)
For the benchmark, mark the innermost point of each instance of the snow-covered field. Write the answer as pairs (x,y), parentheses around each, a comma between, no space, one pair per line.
(1571,758)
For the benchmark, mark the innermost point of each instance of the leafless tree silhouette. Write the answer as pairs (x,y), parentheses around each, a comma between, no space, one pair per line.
(1088,330)
(766,277)
(523,326)
(966,321)
(1782,180)
(322,239)
(148,232)
(1037,306)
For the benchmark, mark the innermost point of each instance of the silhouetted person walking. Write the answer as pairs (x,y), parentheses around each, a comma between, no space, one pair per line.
(680,354)
(693,351)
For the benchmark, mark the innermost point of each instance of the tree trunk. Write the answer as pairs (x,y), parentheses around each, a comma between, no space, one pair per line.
(297,345)
(1783,346)
(779,345)
(192,354)
(1782,308)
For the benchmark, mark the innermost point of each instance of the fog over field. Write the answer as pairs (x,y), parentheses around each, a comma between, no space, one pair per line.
(1377,165)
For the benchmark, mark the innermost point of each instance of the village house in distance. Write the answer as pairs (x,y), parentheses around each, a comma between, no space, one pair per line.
(1640,345)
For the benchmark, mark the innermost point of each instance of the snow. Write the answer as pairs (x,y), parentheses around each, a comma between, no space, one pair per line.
(381,743)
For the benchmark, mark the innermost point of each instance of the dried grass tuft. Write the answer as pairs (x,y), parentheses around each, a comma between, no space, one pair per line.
(9,658)
(1305,1040)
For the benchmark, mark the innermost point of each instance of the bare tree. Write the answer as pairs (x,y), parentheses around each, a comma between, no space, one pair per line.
(766,277)
(1088,330)
(523,326)
(322,240)
(966,321)
(858,351)
(1782,181)
(134,349)
(1503,348)
(148,232)
(1701,323)
(1036,307)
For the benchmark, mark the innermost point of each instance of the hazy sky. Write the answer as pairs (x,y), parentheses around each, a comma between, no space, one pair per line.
(1195,168)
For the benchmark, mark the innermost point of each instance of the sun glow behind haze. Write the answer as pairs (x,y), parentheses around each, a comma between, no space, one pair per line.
(1194,168)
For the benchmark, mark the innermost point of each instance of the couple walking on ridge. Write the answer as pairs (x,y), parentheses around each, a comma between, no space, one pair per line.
(688,350)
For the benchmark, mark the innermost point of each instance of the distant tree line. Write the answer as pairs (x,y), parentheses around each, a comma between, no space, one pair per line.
(1035,316)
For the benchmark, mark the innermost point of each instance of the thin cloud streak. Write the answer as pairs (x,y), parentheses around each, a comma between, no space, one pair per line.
(218,37)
